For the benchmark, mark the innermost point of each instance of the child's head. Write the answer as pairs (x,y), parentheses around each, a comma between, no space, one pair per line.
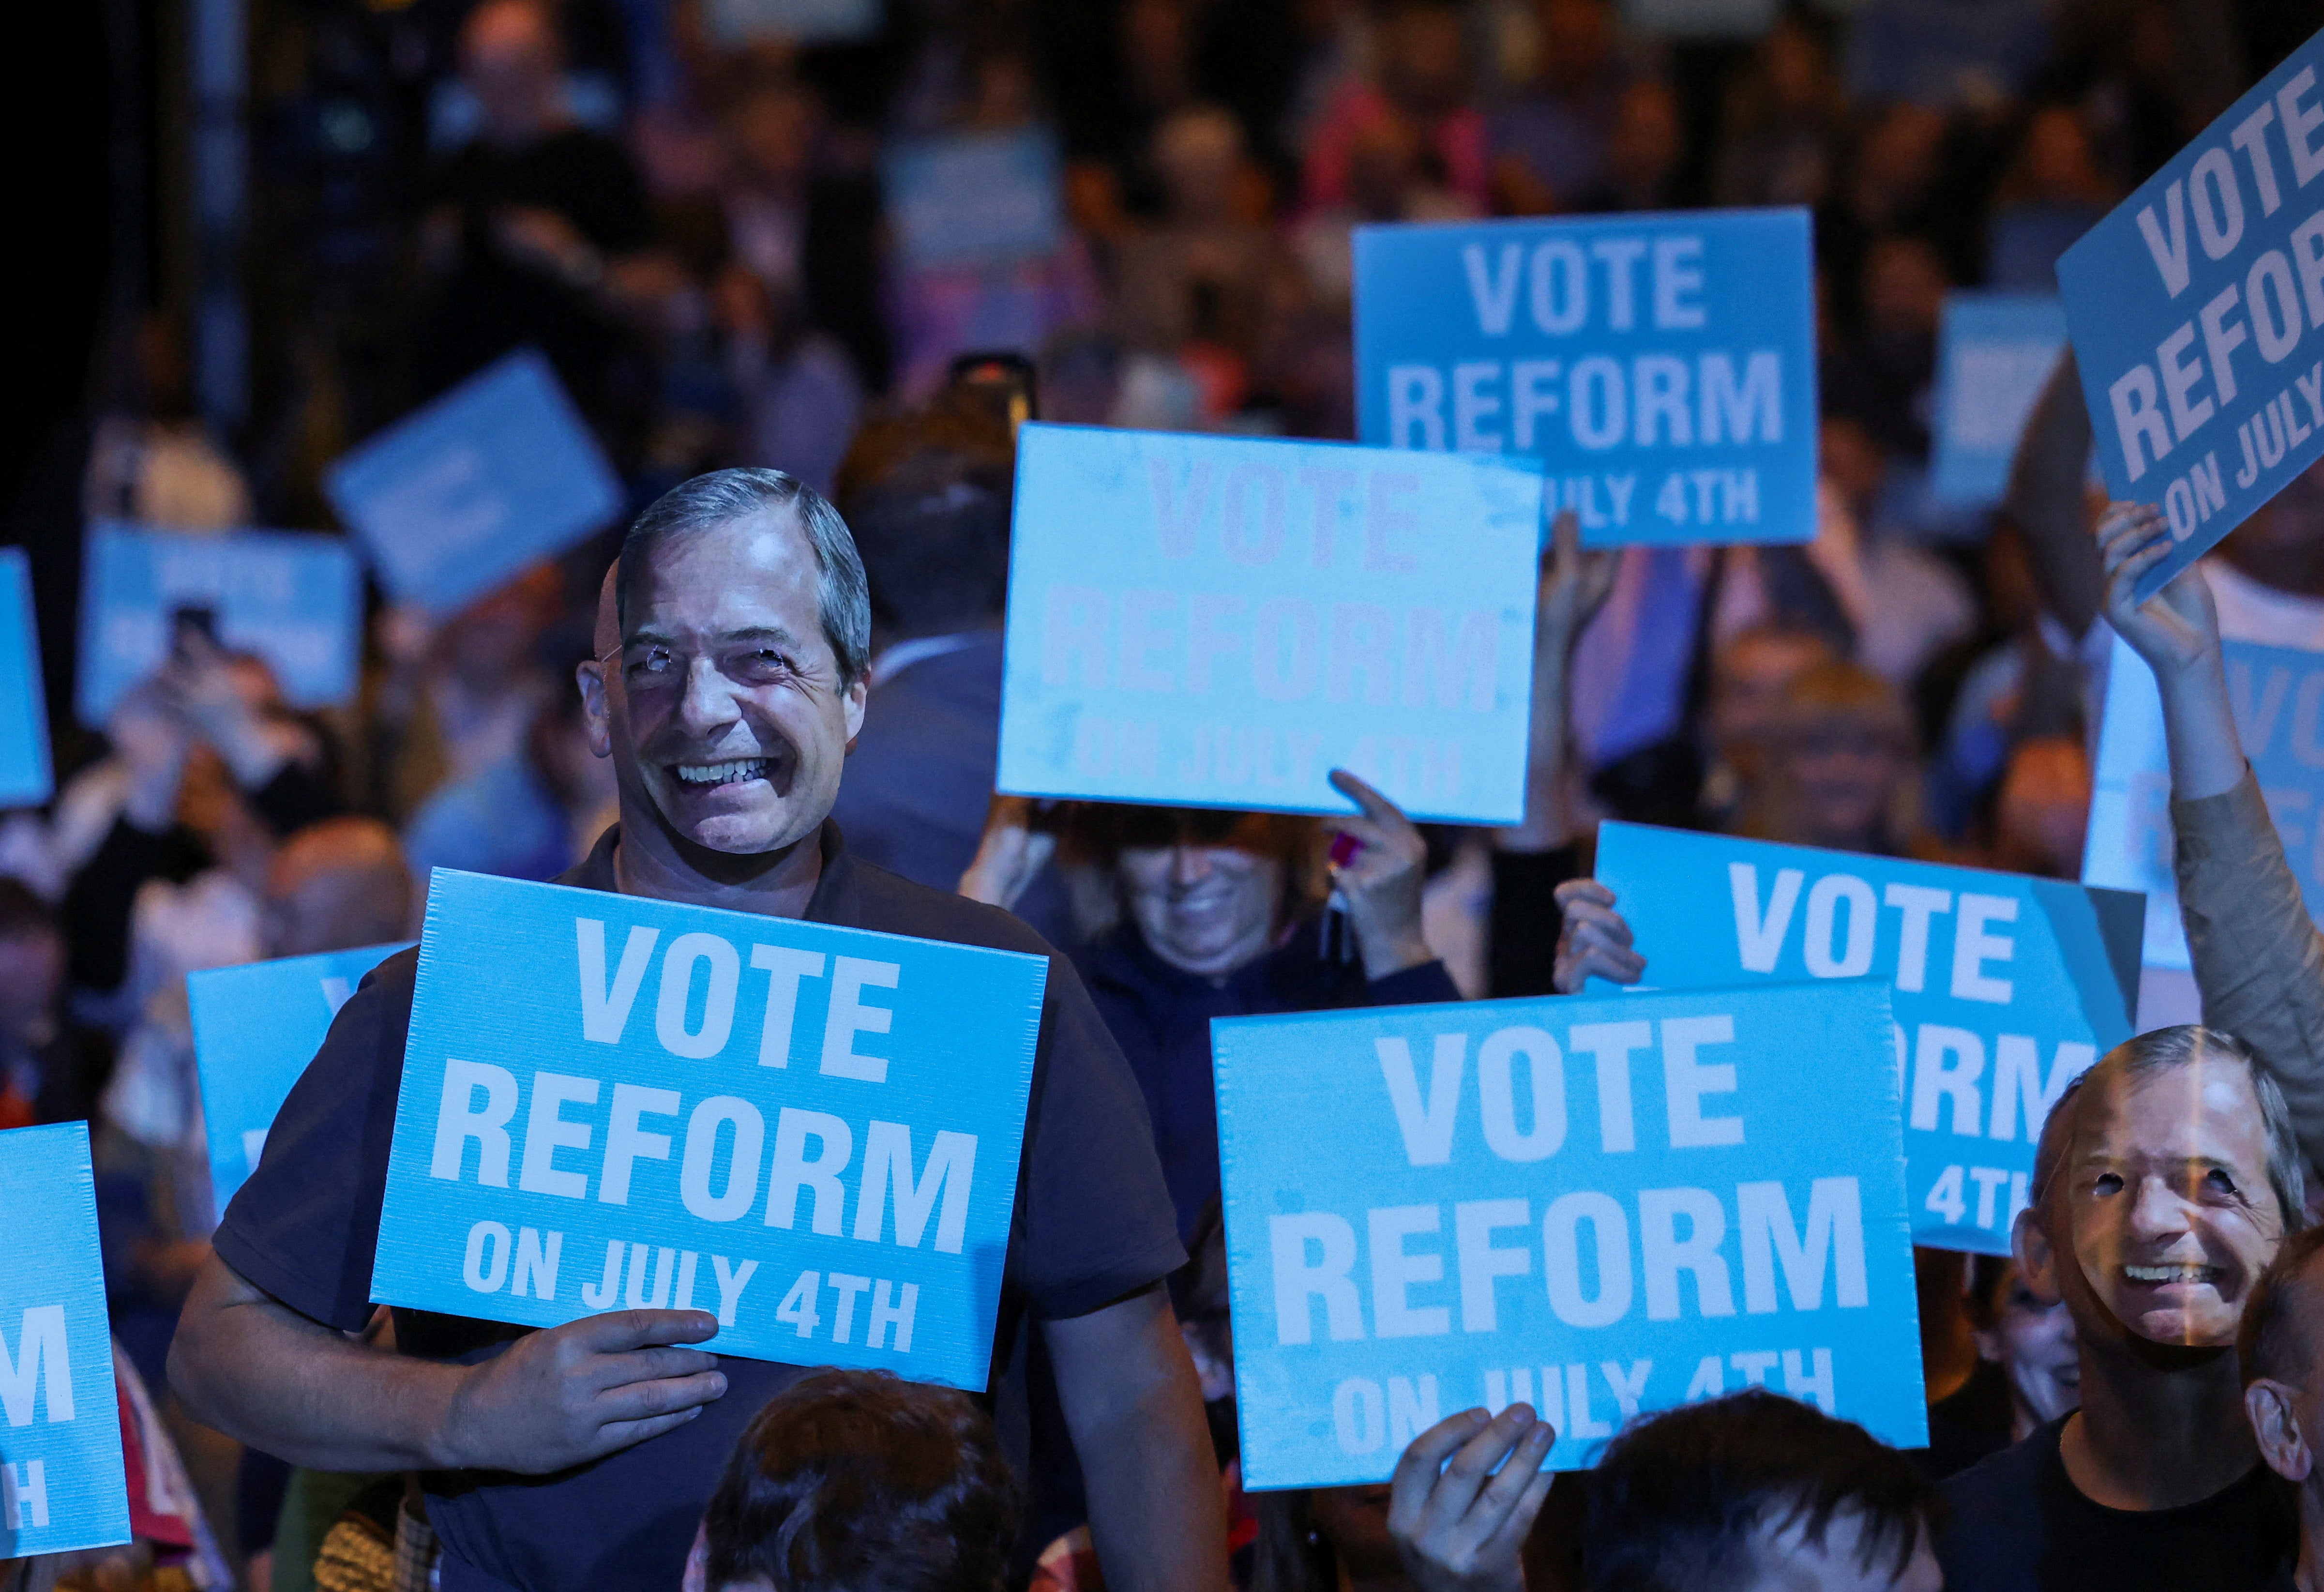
(859,1481)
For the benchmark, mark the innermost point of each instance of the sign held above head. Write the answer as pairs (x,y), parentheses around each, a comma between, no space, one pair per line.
(1221,622)
(2007,986)
(464,492)
(1662,367)
(2196,308)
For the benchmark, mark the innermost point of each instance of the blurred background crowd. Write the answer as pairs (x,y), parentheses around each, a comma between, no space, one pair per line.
(254,232)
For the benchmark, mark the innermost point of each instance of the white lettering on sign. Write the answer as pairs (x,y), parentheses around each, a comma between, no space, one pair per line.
(700,988)
(1522,1113)
(1717,398)
(39,1368)
(719,1155)
(1167,642)
(24,1493)
(2208,209)
(1677,1248)
(1839,937)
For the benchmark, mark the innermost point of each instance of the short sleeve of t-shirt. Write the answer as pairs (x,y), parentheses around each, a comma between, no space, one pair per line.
(1093,1218)
(1096,1219)
(305,1227)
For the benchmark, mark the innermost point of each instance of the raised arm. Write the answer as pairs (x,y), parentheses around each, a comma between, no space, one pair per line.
(2259,961)
(1574,585)
(257,1370)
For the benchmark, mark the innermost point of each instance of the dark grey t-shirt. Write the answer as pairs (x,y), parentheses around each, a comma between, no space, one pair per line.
(1093,1222)
(2019,1524)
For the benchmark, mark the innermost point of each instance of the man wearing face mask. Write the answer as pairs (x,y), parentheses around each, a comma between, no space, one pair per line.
(2166,1179)
(726,694)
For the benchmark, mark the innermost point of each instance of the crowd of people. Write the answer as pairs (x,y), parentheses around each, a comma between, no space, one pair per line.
(692,225)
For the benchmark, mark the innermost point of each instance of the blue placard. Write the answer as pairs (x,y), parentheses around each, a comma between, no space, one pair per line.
(63,1486)
(255,1028)
(1733,1157)
(456,498)
(1995,352)
(1663,367)
(1220,622)
(2277,696)
(26,780)
(611,1102)
(2195,307)
(981,198)
(2006,988)
(294,599)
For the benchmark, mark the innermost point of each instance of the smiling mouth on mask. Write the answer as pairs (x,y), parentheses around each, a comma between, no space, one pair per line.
(706,776)
(2182,1272)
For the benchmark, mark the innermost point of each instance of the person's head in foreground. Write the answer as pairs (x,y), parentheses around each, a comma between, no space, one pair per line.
(2284,1394)
(857,1481)
(2167,1177)
(739,679)
(1756,1492)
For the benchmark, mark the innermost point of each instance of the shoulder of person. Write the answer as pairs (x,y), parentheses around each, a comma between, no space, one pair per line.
(1986,1502)
(394,979)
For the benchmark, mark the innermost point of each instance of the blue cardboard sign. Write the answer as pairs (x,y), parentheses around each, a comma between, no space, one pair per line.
(979,198)
(1995,354)
(2006,988)
(62,1484)
(26,776)
(1220,622)
(611,1102)
(1663,367)
(1637,1202)
(294,599)
(462,495)
(2277,697)
(2195,306)
(255,1028)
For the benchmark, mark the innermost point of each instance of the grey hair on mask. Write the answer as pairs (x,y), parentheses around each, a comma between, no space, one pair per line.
(2160,1050)
(721,497)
